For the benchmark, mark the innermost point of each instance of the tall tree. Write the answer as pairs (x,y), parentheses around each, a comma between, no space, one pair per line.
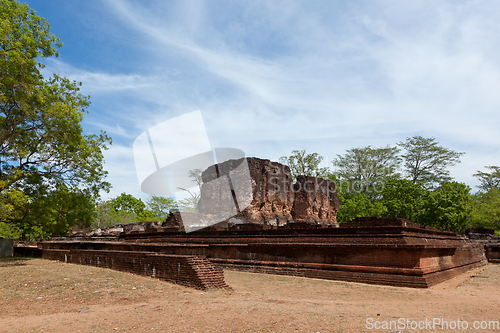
(190,204)
(301,163)
(489,180)
(426,162)
(160,206)
(366,169)
(42,144)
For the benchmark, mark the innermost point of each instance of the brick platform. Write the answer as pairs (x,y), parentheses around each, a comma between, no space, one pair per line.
(371,250)
(190,271)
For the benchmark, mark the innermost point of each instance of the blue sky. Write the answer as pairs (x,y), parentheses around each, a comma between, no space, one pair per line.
(273,76)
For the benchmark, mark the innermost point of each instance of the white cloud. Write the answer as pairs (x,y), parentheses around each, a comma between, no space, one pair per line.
(96,82)
(119,162)
(270,77)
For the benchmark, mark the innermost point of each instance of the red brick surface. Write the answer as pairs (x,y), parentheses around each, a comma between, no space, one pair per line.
(190,271)
(371,250)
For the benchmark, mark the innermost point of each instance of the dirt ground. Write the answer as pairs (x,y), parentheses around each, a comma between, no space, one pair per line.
(48,296)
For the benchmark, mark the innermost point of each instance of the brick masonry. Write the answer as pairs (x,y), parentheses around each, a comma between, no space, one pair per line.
(268,197)
(371,250)
(190,271)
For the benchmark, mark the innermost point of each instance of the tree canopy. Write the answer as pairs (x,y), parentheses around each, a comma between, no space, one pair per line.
(448,208)
(489,180)
(354,205)
(486,209)
(161,206)
(366,169)
(128,203)
(426,162)
(42,145)
(403,199)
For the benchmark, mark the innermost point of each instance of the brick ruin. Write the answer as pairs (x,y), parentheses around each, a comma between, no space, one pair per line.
(187,270)
(289,229)
(487,238)
(270,197)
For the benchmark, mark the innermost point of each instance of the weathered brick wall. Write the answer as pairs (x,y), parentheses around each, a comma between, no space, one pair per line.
(372,250)
(316,201)
(191,271)
(380,278)
(270,196)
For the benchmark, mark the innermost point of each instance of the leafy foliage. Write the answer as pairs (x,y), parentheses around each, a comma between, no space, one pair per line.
(426,162)
(448,208)
(486,209)
(354,205)
(50,172)
(367,169)
(190,204)
(403,199)
(107,216)
(161,206)
(489,180)
(42,212)
(129,204)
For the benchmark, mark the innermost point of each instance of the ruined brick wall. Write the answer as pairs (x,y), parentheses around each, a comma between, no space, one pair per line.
(191,271)
(316,201)
(388,251)
(271,198)
(268,196)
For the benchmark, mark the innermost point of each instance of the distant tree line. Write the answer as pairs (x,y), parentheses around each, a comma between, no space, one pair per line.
(410,180)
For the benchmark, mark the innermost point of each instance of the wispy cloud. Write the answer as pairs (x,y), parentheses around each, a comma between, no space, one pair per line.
(97,82)
(270,77)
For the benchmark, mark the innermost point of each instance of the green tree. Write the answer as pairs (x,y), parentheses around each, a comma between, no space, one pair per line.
(486,209)
(128,203)
(403,199)
(107,216)
(46,212)
(426,162)
(354,205)
(161,206)
(42,144)
(489,180)
(366,169)
(448,207)
(301,163)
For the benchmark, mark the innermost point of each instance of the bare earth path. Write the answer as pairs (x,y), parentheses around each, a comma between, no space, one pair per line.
(47,296)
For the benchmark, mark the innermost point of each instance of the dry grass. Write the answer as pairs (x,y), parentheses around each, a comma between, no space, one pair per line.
(47,296)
